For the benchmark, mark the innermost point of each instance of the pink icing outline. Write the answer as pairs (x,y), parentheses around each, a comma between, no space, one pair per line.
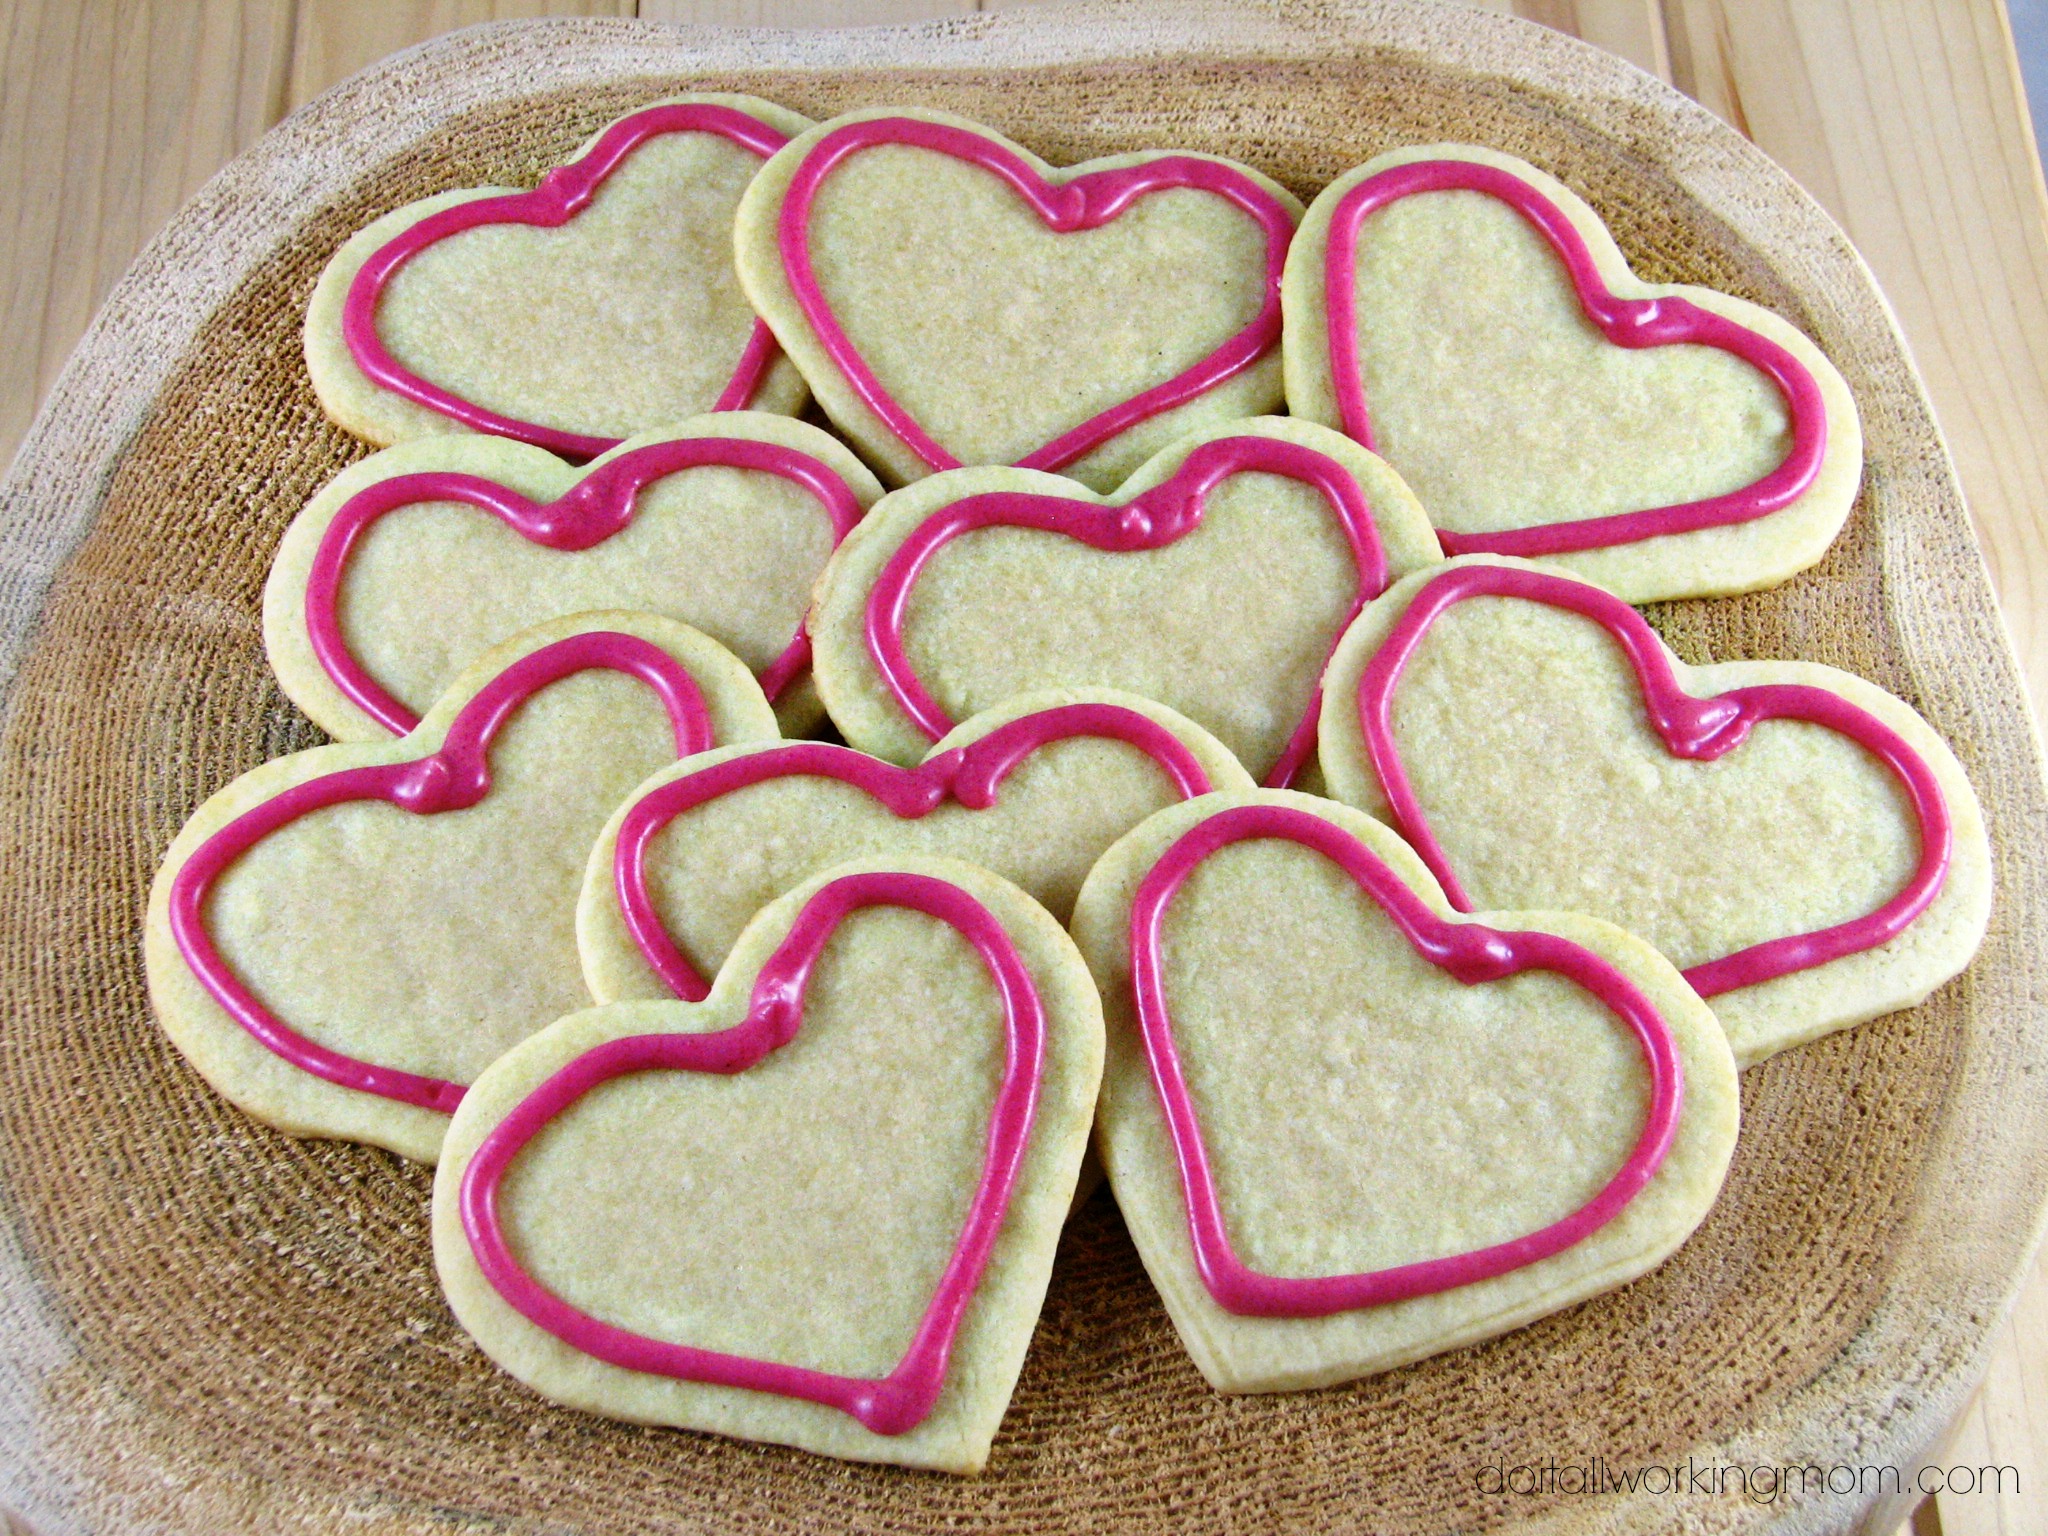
(1632,323)
(902,1400)
(1082,202)
(969,776)
(454,777)
(1470,953)
(562,194)
(1695,728)
(589,512)
(1152,519)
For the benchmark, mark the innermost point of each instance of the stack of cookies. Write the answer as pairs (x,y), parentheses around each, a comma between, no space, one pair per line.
(871,674)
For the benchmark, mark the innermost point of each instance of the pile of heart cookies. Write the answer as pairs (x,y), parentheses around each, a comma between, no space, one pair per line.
(870,673)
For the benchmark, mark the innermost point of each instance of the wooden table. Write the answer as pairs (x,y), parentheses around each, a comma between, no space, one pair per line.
(1905,118)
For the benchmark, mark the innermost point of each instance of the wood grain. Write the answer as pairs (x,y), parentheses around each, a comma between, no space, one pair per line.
(332,39)
(111,115)
(1634,29)
(1905,120)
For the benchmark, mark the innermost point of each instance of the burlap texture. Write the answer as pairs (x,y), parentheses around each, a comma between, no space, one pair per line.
(206,1326)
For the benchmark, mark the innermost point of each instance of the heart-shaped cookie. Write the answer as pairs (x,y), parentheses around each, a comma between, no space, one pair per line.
(411,563)
(953,299)
(1215,581)
(1800,842)
(817,1208)
(597,305)
(1348,1127)
(1033,789)
(342,938)
(1473,320)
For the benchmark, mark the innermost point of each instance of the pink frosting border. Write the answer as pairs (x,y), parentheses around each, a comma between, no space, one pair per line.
(1694,728)
(903,1399)
(969,776)
(452,778)
(1154,519)
(1632,323)
(562,194)
(1086,201)
(1470,953)
(599,505)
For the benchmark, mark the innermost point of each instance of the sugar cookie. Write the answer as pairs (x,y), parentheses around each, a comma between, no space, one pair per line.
(1215,580)
(953,299)
(1033,789)
(1794,838)
(1472,319)
(596,306)
(1348,1127)
(412,562)
(341,939)
(817,1208)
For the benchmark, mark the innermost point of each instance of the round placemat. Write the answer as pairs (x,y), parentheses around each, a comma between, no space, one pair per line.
(208,1326)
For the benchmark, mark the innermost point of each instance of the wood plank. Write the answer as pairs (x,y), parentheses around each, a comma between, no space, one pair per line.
(1908,122)
(335,38)
(1632,28)
(111,115)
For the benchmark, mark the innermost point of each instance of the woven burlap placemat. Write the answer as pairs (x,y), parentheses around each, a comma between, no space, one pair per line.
(206,1326)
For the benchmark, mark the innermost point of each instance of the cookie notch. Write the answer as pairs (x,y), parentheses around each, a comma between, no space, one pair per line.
(455,776)
(596,507)
(1087,201)
(902,1400)
(970,776)
(1470,953)
(562,194)
(1153,519)
(1690,727)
